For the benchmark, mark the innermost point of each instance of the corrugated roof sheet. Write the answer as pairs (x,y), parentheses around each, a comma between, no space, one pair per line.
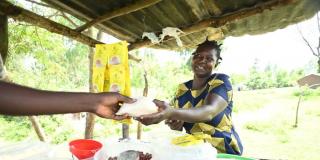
(184,13)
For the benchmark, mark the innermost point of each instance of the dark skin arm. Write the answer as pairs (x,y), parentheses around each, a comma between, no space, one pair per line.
(214,104)
(19,100)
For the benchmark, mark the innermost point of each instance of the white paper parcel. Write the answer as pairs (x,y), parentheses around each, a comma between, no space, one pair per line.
(142,106)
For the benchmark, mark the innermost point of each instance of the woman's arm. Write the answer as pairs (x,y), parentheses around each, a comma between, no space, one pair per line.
(213,106)
(19,100)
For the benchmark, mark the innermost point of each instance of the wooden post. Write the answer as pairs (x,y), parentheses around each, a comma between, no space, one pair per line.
(125,131)
(90,116)
(37,128)
(297,110)
(145,94)
(3,37)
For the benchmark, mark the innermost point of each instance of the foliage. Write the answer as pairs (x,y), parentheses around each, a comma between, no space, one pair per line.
(43,60)
(47,61)
(14,128)
(19,128)
(307,92)
(161,77)
(272,77)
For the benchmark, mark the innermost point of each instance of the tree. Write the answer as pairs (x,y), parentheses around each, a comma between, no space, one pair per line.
(315,51)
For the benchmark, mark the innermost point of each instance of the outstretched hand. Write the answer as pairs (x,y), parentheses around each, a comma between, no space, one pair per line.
(109,105)
(163,113)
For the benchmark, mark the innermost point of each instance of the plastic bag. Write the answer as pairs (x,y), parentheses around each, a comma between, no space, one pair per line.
(111,70)
(142,106)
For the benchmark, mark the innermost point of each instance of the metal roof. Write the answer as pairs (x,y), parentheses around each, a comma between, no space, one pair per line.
(237,17)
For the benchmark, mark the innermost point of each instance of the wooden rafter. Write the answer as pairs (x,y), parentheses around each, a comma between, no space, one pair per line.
(38,3)
(21,14)
(214,7)
(220,20)
(87,17)
(118,12)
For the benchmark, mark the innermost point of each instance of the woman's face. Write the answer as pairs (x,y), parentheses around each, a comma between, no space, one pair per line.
(203,61)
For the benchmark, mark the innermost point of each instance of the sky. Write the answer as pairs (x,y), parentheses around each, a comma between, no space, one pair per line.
(283,48)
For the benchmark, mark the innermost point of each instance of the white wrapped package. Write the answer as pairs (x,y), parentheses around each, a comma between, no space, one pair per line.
(142,106)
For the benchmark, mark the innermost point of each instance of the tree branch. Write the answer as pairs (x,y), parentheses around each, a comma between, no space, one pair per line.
(68,19)
(305,40)
(51,7)
(38,3)
(53,15)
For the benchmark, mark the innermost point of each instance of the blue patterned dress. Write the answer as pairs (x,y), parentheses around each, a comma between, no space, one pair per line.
(223,135)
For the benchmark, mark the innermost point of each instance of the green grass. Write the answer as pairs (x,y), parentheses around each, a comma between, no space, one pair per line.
(266,128)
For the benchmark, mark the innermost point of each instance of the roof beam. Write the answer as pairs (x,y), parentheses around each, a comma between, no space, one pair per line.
(119,12)
(87,17)
(219,21)
(212,4)
(24,15)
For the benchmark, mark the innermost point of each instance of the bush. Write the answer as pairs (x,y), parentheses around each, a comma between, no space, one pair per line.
(272,77)
(307,92)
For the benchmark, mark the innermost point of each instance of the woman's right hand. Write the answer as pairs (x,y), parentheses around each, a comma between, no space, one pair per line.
(175,124)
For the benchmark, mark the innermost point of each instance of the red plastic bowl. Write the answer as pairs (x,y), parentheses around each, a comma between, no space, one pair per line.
(84,148)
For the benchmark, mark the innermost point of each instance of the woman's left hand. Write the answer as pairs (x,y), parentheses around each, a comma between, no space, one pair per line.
(164,111)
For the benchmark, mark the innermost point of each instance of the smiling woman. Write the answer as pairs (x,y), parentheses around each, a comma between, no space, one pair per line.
(203,104)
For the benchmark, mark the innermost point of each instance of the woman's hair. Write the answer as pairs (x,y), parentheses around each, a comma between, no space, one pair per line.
(211,45)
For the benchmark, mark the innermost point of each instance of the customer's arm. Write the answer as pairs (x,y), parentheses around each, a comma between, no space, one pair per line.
(19,100)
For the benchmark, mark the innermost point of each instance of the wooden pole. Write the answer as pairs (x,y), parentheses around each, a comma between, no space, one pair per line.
(145,94)
(3,44)
(125,131)
(2,70)
(297,110)
(3,37)
(37,128)
(118,12)
(90,119)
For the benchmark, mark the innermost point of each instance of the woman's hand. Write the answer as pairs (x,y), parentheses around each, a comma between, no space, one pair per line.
(174,124)
(164,112)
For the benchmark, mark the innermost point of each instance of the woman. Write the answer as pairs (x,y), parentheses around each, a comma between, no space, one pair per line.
(203,104)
